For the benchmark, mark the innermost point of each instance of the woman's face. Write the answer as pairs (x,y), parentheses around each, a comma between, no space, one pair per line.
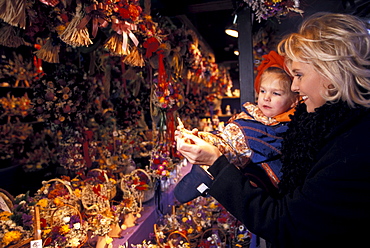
(310,85)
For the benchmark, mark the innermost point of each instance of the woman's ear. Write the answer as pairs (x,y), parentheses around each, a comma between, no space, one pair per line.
(331,89)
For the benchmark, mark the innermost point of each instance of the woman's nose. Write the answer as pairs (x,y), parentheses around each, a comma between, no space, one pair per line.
(294,87)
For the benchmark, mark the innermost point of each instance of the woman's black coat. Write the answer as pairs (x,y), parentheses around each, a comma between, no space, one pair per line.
(329,208)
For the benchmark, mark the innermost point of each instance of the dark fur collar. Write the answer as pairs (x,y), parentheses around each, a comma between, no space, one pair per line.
(307,135)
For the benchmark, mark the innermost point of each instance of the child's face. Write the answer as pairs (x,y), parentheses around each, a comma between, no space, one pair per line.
(273,97)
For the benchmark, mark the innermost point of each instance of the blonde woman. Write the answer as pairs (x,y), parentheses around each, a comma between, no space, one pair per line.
(324,198)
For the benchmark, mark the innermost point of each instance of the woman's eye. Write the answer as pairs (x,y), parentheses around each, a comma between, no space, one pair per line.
(298,76)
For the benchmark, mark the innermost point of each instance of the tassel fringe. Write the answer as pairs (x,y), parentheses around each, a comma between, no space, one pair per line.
(13,12)
(74,36)
(9,38)
(48,52)
(114,45)
(135,58)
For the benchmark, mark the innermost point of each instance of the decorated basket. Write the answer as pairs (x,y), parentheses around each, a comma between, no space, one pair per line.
(6,200)
(140,181)
(66,228)
(95,198)
(178,239)
(102,175)
(213,238)
(58,192)
(172,238)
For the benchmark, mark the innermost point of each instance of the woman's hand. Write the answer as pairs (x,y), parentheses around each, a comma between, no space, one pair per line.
(196,150)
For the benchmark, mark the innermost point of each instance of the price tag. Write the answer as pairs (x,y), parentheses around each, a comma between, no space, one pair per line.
(36,243)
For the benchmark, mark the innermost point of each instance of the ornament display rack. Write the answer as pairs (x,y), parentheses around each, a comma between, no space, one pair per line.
(233,102)
(235,107)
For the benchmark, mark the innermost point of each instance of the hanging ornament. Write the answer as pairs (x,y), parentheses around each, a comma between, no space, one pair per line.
(135,58)
(75,36)
(9,37)
(13,12)
(49,52)
(96,13)
(51,3)
(118,43)
(264,9)
(151,45)
(114,45)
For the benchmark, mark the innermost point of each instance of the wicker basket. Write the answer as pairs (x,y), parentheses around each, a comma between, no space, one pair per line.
(8,200)
(172,237)
(70,198)
(111,189)
(176,238)
(212,234)
(59,219)
(92,202)
(128,182)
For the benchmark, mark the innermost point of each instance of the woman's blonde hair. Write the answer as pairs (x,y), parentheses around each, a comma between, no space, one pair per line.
(338,46)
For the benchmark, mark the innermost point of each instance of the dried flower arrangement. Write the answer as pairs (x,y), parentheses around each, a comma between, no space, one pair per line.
(17,225)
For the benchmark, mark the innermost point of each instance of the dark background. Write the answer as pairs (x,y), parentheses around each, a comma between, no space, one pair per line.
(210,17)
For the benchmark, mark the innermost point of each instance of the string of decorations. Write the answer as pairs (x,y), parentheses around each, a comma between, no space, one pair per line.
(265,9)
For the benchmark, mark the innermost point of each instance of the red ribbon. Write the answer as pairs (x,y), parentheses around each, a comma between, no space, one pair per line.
(37,63)
(85,145)
(94,12)
(51,3)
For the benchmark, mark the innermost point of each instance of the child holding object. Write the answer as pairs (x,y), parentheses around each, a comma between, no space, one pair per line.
(252,140)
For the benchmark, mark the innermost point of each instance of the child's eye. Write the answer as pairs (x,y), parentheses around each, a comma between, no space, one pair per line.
(276,93)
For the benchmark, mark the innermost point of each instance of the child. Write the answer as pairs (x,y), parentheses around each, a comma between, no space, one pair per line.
(251,140)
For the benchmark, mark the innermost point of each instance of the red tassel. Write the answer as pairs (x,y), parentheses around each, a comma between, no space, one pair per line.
(161,71)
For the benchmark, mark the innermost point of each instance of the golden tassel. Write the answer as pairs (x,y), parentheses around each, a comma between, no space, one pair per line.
(176,61)
(74,36)
(3,8)
(19,18)
(7,10)
(135,58)
(13,12)
(9,38)
(114,45)
(48,52)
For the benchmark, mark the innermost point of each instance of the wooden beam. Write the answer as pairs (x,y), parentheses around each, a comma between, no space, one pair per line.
(245,45)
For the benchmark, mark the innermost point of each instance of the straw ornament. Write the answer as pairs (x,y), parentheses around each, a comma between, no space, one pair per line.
(75,36)
(13,12)
(135,58)
(49,52)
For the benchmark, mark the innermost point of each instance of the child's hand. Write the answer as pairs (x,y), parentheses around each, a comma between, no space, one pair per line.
(182,130)
(196,150)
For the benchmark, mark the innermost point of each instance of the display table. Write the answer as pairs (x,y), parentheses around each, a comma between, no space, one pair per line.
(160,205)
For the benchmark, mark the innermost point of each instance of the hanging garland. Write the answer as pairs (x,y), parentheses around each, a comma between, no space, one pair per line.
(265,9)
